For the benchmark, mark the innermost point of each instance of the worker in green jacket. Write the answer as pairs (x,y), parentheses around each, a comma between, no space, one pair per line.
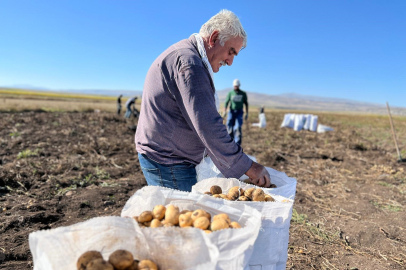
(236,98)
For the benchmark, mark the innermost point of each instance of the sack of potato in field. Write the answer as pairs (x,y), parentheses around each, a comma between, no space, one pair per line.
(235,244)
(271,246)
(113,242)
(284,185)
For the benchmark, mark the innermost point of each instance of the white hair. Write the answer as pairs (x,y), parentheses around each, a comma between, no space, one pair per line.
(228,25)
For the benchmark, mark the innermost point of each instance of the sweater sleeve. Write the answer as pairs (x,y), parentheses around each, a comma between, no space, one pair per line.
(196,102)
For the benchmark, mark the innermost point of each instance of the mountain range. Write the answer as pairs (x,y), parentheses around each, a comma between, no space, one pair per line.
(288,101)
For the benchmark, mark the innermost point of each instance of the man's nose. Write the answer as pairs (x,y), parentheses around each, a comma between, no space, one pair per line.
(230,60)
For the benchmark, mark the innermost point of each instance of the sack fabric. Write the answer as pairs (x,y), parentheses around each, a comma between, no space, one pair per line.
(235,245)
(271,246)
(170,248)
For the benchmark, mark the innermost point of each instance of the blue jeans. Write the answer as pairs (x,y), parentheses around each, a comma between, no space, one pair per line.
(178,176)
(128,113)
(234,118)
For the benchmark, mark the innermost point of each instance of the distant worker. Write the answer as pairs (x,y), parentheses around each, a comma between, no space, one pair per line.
(237,98)
(119,105)
(262,109)
(130,111)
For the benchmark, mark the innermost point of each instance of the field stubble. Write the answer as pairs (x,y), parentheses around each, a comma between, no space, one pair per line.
(60,168)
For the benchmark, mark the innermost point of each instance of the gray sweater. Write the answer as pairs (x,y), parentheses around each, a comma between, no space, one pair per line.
(179,119)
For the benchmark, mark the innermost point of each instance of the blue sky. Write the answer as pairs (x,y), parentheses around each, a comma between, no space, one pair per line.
(346,49)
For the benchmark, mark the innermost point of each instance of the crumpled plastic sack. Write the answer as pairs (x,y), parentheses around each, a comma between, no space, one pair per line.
(170,248)
(207,169)
(285,186)
(235,245)
(322,128)
(271,246)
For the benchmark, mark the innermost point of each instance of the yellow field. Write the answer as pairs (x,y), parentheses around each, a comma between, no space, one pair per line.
(12,100)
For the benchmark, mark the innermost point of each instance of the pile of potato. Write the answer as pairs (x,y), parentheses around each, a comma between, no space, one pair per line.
(119,260)
(238,194)
(170,216)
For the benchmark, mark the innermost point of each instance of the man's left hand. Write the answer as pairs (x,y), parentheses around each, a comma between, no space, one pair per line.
(246,116)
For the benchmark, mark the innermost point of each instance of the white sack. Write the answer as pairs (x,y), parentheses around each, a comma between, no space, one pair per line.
(207,169)
(60,248)
(313,123)
(298,122)
(288,120)
(285,185)
(322,128)
(271,246)
(235,245)
(262,121)
(306,125)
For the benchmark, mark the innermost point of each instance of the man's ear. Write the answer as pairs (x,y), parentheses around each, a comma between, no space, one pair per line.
(213,38)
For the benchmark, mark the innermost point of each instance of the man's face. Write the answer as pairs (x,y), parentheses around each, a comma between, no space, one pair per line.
(224,54)
(236,87)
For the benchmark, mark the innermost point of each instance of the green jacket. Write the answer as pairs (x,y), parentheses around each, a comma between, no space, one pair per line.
(237,99)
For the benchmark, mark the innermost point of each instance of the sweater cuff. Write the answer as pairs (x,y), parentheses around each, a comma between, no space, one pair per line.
(239,168)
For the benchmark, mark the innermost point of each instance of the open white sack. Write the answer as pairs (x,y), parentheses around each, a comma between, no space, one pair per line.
(169,248)
(235,245)
(285,186)
(271,246)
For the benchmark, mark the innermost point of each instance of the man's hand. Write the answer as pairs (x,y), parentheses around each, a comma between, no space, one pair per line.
(246,116)
(259,175)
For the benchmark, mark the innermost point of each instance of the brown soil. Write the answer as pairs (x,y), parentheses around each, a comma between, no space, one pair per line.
(350,202)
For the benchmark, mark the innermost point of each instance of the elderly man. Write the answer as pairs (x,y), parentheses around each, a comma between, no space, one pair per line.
(237,98)
(180,122)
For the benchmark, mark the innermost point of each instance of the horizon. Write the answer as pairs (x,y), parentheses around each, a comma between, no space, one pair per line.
(136,92)
(344,50)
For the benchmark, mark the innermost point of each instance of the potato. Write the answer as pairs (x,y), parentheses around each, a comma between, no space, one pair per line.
(208,216)
(185,220)
(234,193)
(216,190)
(145,216)
(269,198)
(208,193)
(168,225)
(198,213)
(172,214)
(244,199)
(248,192)
(100,264)
(186,211)
(155,223)
(222,216)
(147,224)
(224,196)
(86,257)
(136,218)
(258,195)
(134,266)
(219,224)
(235,225)
(201,223)
(147,265)
(121,259)
(207,231)
(217,196)
(159,212)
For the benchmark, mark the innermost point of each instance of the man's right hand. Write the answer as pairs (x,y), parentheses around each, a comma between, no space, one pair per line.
(259,175)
